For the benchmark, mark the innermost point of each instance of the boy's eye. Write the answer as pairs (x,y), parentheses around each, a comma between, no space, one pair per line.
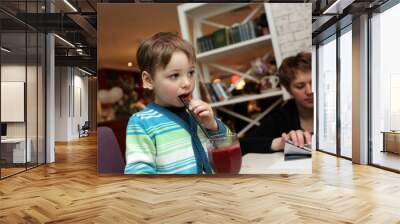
(191,73)
(299,86)
(173,76)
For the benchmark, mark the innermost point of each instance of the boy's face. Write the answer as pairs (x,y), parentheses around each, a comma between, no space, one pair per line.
(176,79)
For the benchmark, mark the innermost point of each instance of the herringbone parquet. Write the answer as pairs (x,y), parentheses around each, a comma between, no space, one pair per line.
(70,191)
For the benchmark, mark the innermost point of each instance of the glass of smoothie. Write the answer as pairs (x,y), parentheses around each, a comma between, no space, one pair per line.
(224,154)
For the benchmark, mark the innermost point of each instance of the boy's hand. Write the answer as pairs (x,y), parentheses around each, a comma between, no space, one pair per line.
(205,114)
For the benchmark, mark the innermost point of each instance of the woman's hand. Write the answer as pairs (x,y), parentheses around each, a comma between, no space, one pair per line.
(205,114)
(298,137)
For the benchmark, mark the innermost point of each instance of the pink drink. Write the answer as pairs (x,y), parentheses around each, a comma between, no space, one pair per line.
(225,155)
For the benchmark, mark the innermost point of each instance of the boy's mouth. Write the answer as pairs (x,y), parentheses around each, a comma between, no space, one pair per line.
(186,96)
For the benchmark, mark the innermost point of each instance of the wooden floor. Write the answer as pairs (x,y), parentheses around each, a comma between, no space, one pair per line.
(387,159)
(70,191)
(10,171)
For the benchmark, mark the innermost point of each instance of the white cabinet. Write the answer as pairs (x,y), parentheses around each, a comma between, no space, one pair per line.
(197,19)
(15,148)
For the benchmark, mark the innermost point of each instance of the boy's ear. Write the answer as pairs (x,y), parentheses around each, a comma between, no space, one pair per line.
(147,80)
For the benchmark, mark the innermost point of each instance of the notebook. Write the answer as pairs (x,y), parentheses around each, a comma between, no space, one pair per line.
(292,152)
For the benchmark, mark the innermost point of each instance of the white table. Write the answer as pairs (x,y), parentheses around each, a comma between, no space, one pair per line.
(274,163)
(18,149)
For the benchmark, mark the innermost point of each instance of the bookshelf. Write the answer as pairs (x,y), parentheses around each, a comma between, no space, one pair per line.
(234,50)
(241,40)
(245,98)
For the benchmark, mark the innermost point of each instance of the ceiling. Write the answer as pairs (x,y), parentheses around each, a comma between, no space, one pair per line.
(77,24)
(109,31)
(333,15)
(121,28)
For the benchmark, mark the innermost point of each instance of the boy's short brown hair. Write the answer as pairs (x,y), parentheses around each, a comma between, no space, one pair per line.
(157,51)
(291,65)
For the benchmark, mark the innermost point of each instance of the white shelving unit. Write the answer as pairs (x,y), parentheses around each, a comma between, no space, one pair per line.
(245,98)
(198,14)
(234,50)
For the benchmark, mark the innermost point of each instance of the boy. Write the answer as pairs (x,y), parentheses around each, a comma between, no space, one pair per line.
(163,138)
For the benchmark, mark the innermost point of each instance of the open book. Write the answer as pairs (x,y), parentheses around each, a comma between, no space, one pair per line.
(292,151)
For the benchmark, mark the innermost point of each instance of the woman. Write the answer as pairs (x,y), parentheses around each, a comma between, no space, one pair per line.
(293,120)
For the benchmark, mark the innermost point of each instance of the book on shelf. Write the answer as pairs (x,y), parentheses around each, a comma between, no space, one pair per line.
(225,93)
(205,43)
(214,92)
(235,34)
(204,92)
(200,44)
(226,36)
(219,91)
(252,29)
(242,32)
(220,38)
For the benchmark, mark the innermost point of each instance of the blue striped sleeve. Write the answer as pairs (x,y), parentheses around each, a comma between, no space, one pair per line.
(222,129)
(140,149)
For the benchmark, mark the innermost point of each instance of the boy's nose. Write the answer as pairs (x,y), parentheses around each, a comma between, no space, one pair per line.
(185,82)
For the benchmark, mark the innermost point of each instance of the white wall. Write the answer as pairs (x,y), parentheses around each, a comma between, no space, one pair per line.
(33,127)
(70,83)
(15,73)
(80,94)
(61,103)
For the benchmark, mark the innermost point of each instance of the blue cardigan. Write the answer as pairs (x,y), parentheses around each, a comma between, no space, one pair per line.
(160,142)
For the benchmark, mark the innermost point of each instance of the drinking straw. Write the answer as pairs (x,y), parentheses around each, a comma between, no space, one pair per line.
(186,104)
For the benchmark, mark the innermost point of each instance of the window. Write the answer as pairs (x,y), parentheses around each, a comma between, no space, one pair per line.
(327,96)
(22,64)
(346,93)
(385,86)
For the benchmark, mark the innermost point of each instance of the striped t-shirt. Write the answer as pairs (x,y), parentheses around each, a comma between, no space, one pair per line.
(160,142)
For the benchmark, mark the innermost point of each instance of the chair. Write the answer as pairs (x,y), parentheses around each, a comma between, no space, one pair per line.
(84,130)
(109,157)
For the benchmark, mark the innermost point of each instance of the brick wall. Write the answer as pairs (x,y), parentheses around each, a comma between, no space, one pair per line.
(292,23)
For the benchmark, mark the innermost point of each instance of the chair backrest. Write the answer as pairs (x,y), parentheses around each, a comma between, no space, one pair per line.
(109,157)
(86,125)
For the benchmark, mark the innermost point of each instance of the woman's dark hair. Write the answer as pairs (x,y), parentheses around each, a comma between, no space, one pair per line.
(291,66)
(157,51)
